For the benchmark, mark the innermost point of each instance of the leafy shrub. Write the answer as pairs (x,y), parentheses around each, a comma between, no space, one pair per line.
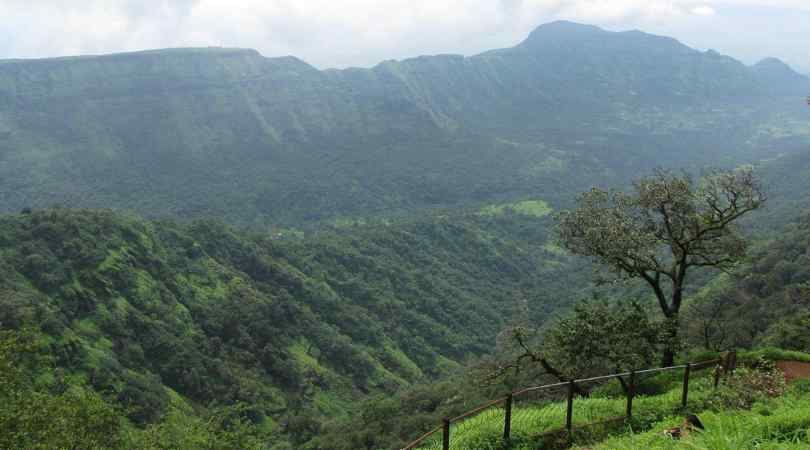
(747,386)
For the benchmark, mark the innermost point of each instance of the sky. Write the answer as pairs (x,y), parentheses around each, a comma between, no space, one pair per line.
(343,33)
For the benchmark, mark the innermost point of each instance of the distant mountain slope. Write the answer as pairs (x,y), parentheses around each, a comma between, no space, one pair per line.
(230,133)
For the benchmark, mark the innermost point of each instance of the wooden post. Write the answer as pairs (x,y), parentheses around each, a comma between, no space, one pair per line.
(507,421)
(446,434)
(731,365)
(686,384)
(631,392)
(569,413)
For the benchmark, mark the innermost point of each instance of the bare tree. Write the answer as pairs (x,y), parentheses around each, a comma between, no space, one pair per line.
(668,225)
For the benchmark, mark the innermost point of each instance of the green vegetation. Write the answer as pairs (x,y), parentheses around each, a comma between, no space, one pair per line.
(261,141)
(531,423)
(749,393)
(666,228)
(153,316)
(763,302)
(536,208)
(776,424)
(601,337)
(391,229)
(38,412)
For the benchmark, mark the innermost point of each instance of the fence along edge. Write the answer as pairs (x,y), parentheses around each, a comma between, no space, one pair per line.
(728,363)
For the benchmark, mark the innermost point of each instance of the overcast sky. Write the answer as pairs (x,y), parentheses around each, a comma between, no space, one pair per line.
(340,33)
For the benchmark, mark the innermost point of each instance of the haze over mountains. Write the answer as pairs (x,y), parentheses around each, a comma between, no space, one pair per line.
(230,133)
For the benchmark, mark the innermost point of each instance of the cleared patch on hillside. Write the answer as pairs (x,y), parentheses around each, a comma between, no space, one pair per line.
(534,208)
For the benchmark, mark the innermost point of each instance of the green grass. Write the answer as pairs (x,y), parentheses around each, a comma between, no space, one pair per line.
(534,208)
(782,423)
(773,354)
(749,356)
(484,431)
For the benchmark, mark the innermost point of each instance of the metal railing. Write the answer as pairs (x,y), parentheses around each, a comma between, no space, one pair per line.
(726,364)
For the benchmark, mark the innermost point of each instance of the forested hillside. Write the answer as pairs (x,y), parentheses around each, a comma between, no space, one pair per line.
(232,134)
(255,253)
(297,328)
(765,301)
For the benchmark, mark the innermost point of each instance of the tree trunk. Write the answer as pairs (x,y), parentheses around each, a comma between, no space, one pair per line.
(669,358)
(670,339)
(623,383)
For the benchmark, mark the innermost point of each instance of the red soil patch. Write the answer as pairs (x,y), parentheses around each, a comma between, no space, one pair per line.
(794,369)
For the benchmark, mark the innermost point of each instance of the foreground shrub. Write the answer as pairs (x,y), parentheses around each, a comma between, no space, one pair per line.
(748,385)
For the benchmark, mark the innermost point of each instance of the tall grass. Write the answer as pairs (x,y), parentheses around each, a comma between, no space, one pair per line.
(782,423)
(485,430)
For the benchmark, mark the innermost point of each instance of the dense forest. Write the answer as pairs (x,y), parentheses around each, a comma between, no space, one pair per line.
(161,322)
(150,312)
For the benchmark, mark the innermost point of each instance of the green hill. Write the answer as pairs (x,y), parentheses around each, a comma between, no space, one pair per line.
(298,328)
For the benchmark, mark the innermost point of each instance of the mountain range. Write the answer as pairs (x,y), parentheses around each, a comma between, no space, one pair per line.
(316,248)
(274,141)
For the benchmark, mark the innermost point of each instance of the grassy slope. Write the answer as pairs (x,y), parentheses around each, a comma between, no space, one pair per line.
(782,424)
(483,431)
(654,411)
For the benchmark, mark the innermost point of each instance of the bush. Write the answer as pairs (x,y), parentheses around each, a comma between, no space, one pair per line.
(747,386)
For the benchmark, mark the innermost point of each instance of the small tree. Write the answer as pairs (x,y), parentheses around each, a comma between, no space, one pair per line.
(599,338)
(595,338)
(666,227)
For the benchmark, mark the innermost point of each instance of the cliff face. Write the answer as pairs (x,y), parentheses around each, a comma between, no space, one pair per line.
(231,133)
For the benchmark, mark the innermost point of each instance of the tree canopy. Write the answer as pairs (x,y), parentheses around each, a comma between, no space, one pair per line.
(666,226)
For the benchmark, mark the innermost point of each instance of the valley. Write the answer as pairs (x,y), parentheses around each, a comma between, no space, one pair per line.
(207,248)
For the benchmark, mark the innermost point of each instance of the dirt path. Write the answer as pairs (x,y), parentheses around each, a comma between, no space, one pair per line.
(794,369)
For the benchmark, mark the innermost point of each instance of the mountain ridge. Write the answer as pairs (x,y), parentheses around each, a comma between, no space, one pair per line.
(231,133)
(555,29)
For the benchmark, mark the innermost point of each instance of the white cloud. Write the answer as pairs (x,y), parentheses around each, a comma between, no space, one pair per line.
(704,10)
(341,32)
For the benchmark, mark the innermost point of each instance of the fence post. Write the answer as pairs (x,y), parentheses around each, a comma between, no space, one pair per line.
(732,361)
(569,413)
(631,392)
(686,384)
(446,434)
(507,422)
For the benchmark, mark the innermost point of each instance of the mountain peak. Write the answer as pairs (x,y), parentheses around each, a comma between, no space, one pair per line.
(566,26)
(562,29)
(772,63)
(776,70)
